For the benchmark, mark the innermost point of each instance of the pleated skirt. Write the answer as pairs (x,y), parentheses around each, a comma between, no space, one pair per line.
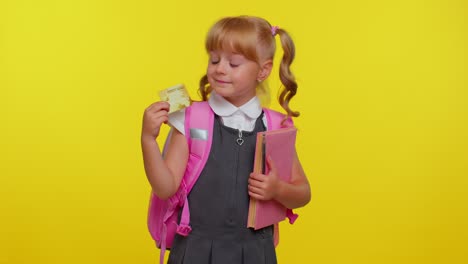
(224,246)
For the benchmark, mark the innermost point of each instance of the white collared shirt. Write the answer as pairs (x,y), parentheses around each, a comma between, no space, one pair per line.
(242,118)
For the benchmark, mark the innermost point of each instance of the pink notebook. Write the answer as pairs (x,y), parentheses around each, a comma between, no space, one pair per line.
(280,146)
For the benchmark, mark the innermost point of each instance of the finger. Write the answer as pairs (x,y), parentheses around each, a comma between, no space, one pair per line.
(155,122)
(159,114)
(158,106)
(162,106)
(155,118)
(257,187)
(155,112)
(255,196)
(257,176)
(160,119)
(256,181)
(255,190)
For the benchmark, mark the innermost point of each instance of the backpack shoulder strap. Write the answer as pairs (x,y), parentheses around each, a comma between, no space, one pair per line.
(277,120)
(198,131)
(199,120)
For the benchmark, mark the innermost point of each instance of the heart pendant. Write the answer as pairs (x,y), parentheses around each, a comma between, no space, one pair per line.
(240,141)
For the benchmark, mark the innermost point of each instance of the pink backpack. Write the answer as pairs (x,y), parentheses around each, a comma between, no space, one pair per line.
(163,214)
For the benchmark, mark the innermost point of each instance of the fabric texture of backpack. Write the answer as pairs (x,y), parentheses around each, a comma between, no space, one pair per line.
(163,214)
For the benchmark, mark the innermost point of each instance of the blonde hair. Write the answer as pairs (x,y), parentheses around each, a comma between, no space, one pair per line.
(253,38)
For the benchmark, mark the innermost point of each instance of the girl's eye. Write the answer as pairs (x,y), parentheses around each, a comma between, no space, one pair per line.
(214,61)
(235,63)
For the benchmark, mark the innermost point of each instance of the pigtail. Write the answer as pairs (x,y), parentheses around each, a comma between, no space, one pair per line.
(204,88)
(286,76)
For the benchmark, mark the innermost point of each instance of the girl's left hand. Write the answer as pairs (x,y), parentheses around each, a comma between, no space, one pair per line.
(264,187)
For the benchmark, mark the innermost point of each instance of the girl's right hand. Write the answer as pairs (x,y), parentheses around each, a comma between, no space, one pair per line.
(154,116)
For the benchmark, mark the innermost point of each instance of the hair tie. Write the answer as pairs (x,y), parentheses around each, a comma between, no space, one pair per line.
(273,30)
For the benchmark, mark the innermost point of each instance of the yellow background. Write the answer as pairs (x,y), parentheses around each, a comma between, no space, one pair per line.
(383,125)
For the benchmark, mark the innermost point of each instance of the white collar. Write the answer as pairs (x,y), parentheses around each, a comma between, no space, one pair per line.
(224,108)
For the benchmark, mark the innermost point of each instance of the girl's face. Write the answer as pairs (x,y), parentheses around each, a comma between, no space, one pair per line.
(233,76)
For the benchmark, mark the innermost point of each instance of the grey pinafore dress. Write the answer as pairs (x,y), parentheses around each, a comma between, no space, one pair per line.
(219,205)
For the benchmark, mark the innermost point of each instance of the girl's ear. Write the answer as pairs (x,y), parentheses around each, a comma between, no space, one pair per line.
(265,70)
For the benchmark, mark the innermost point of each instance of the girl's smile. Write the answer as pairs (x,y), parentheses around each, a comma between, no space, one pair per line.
(221,81)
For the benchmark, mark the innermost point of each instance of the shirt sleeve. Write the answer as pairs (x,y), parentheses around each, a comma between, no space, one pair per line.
(177,120)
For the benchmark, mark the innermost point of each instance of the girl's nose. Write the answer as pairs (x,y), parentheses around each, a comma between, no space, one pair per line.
(221,67)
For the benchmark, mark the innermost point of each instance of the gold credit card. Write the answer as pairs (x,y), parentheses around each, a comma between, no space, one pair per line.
(177,96)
